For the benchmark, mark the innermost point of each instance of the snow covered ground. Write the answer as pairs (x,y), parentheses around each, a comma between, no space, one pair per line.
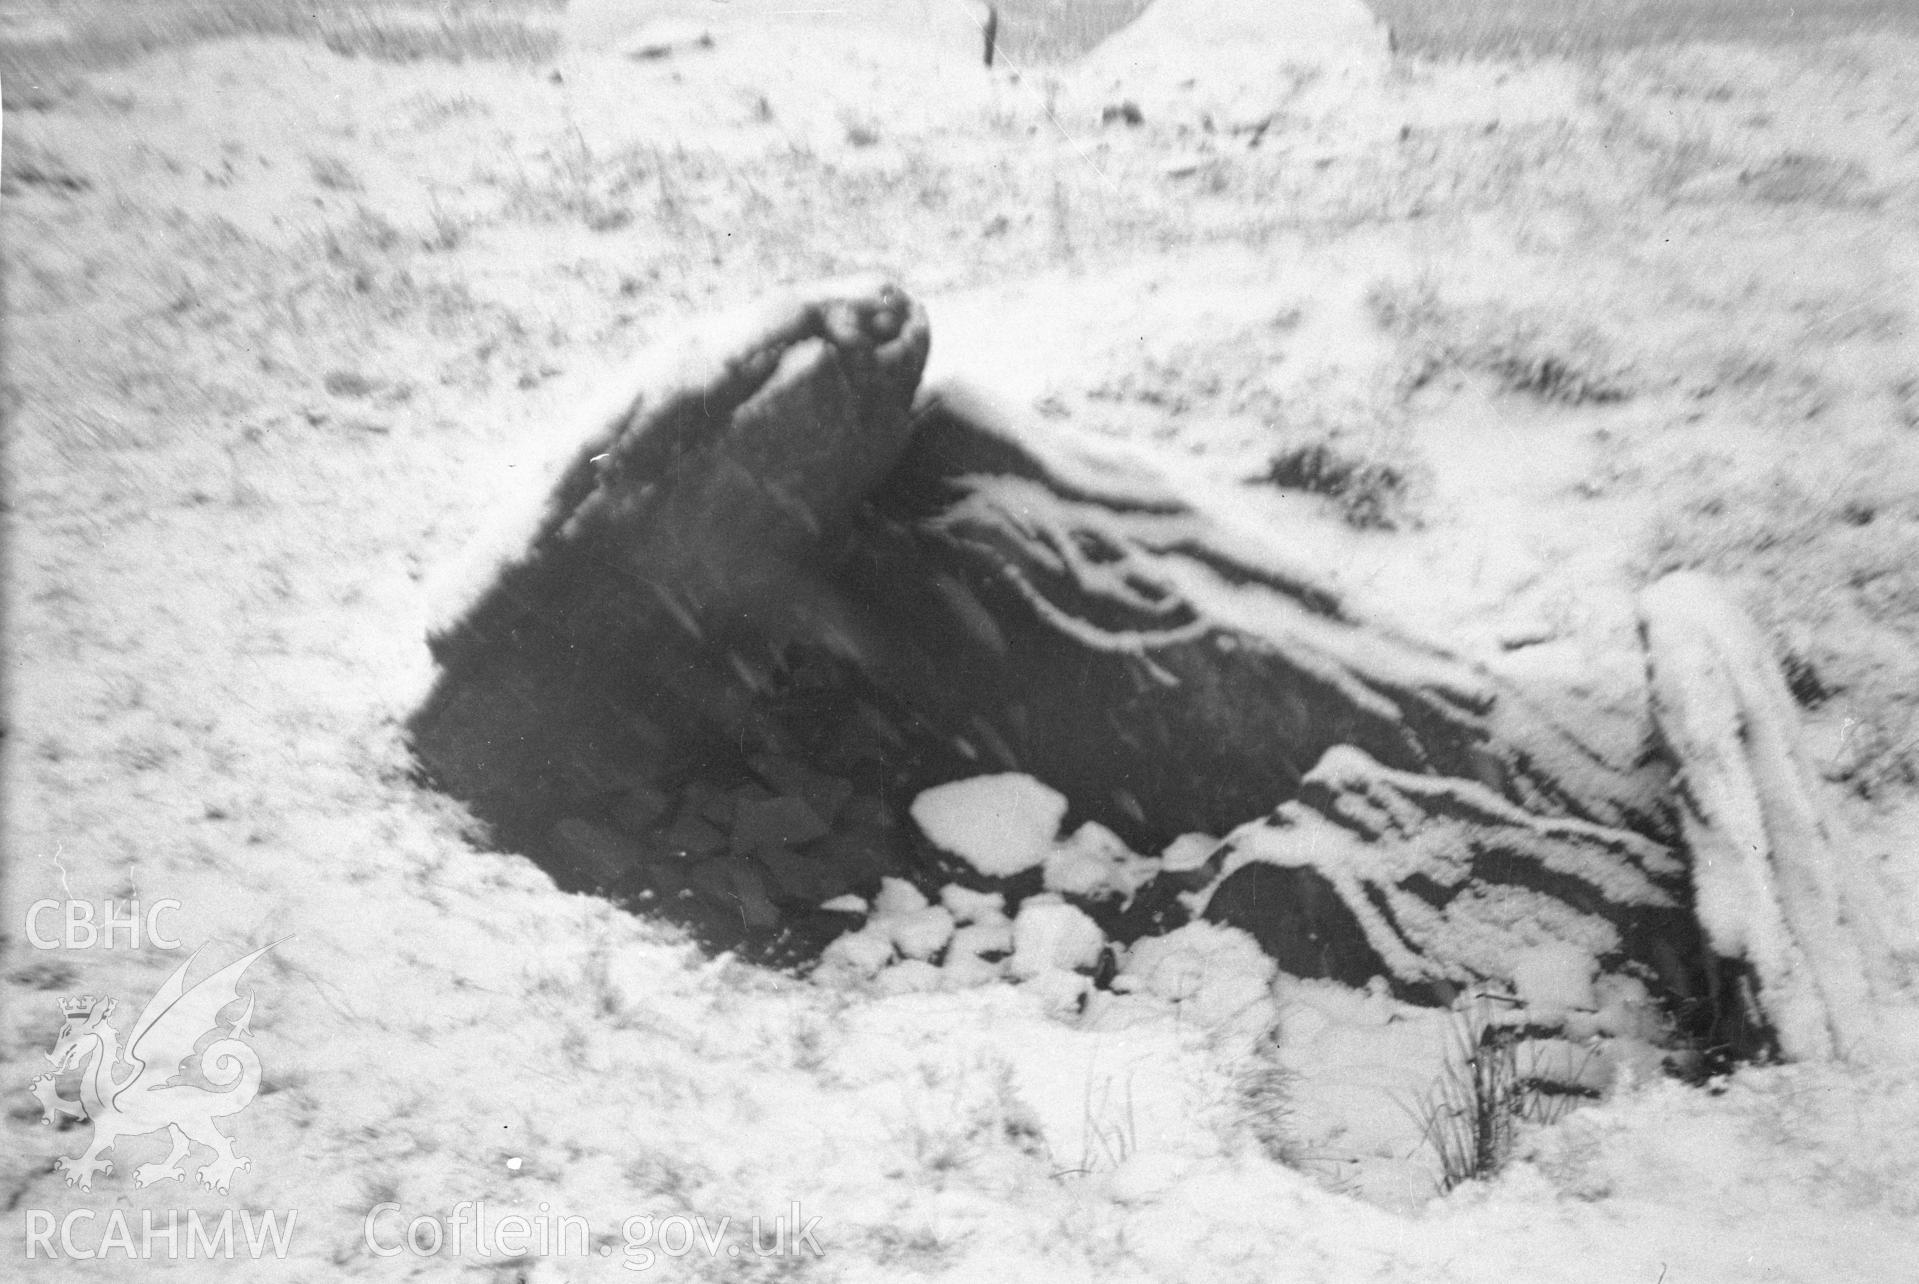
(286,325)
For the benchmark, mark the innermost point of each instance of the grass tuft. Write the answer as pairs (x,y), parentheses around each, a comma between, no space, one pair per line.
(1370,495)
(23,166)
(1471,1115)
(333,174)
(1263,1090)
(1524,349)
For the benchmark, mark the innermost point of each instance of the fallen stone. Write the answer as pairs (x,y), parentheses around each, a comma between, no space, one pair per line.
(993,937)
(909,976)
(1217,976)
(1049,934)
(1093,862)
(898,898)
(694,836)
(1774,888)
(862,953)
(639,810)
(970,906)
(755,906)
(1059,990)
(861,858)
(602,854)
(776,822)
(825,794)
(704,800)
(923,933)
(1187,852)
(800,878)
(967,971)
(730,880)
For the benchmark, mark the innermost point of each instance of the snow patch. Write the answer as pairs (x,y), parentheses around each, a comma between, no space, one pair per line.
(1554,977)
(1095,862)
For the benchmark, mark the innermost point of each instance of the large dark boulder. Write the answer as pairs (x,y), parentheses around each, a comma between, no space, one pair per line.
(614,634)
(1150,661)
(772,599)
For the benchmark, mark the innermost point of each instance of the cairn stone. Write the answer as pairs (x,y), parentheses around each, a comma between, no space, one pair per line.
(774,597)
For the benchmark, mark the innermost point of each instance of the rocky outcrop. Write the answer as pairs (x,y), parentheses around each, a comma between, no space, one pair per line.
(776,596)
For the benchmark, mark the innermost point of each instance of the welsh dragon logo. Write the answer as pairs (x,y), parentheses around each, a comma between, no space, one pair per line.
(152,1092)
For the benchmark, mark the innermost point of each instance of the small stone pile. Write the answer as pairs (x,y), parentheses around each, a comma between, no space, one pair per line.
(1030,902)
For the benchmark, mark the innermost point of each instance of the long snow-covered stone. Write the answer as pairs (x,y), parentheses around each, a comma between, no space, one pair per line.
(1772,887)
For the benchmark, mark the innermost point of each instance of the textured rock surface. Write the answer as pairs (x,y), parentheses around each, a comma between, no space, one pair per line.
(1436,883)
(1163,664)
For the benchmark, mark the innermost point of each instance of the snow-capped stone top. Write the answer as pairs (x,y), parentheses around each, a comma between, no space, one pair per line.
(1049,935)
(1188,851)
(969,906)
(1095,862)
(898,897)
(1000,825)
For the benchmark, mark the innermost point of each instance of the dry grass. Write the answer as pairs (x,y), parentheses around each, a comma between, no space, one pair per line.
(1370,493)
(1492,1085)
(93,34)
(1544,354)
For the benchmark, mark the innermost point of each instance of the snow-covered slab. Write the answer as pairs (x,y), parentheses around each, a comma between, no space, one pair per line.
(1774,887)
